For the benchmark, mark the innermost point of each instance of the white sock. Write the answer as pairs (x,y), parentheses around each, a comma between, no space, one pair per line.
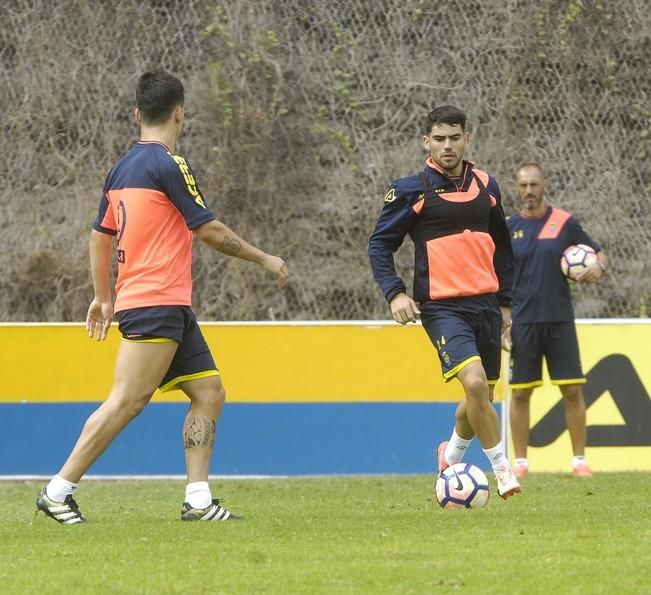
(59,488)
(497,457)
(456,448)
(523,462)
(578,460)
(197,494)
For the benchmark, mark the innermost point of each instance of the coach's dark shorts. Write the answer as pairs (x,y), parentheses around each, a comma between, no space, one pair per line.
(556,341)
(464,330)
(171,323)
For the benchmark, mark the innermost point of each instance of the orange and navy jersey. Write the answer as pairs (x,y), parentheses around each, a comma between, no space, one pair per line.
(462,245)
(151,203)
(541,292)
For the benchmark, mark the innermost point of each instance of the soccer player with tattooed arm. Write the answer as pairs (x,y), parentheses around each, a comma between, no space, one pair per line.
(463,276)
(151,205)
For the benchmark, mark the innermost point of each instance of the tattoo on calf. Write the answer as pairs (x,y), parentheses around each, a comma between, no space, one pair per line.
(199,431)
(231,245)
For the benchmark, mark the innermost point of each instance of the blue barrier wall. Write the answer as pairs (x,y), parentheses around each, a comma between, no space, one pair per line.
(252,439)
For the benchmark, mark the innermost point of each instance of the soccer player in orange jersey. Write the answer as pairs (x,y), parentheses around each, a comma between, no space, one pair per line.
(152,206)
(463,265)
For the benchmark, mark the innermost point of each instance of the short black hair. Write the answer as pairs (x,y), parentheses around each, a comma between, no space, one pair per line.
(445,114)
(157,94)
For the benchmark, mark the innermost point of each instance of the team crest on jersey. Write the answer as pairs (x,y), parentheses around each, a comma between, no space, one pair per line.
(518,234)
(390,196)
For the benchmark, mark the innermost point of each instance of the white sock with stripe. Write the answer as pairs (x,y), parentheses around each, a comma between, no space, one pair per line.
(456,448)
(59,488)
(197,494)
(578,460)
(497,457)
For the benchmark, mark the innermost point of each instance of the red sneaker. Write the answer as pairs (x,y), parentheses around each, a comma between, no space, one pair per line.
(520,470)
(582,470)
(440,455)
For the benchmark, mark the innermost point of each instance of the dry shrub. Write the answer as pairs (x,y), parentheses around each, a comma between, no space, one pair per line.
(299,114)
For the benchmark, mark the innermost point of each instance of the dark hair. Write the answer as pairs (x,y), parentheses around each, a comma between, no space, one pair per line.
(157,94)
(445,114)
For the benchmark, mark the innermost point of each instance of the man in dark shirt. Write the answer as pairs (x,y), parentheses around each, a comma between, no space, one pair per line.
(462,280)
(543,317)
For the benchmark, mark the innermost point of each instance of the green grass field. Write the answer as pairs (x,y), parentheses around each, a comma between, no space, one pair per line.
(335,535)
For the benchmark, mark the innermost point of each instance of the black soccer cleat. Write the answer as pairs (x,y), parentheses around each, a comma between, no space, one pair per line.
(214,512)
(66,512)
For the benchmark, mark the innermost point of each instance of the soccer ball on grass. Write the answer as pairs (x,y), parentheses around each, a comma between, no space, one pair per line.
(462,486)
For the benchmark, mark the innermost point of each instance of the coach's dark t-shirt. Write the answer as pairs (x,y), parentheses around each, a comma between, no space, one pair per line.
(541,292)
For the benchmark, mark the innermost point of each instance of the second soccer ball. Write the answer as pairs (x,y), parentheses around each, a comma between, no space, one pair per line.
(576,259)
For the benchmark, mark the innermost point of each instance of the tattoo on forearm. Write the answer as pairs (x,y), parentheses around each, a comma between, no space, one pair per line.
(199,431)
(231,246)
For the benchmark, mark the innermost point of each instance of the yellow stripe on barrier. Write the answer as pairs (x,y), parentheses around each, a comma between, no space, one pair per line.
(258,363)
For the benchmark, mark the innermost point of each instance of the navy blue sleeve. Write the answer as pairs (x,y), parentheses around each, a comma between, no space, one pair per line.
(180,185)
(105,221)
(389,233)
(579,236)
(503,257)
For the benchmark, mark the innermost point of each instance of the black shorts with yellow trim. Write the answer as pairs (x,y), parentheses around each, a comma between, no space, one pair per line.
(463,330)
(156,324)
(556,342)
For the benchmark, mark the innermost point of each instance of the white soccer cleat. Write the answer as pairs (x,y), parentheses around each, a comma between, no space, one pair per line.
(507,482)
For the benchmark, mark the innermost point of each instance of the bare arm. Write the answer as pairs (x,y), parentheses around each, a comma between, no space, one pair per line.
(506,328)
(99,247)
(222,238)
(100,311)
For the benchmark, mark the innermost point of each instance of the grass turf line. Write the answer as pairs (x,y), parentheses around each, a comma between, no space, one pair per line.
(334,535)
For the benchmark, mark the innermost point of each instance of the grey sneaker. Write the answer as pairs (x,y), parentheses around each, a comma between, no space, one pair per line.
(66,512)
(214,512)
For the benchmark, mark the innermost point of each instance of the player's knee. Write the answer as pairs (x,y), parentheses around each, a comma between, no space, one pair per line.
(130,405)
(572,392)
(522,395)
(136,408)
(219,397)
(476,386)
(213,398)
